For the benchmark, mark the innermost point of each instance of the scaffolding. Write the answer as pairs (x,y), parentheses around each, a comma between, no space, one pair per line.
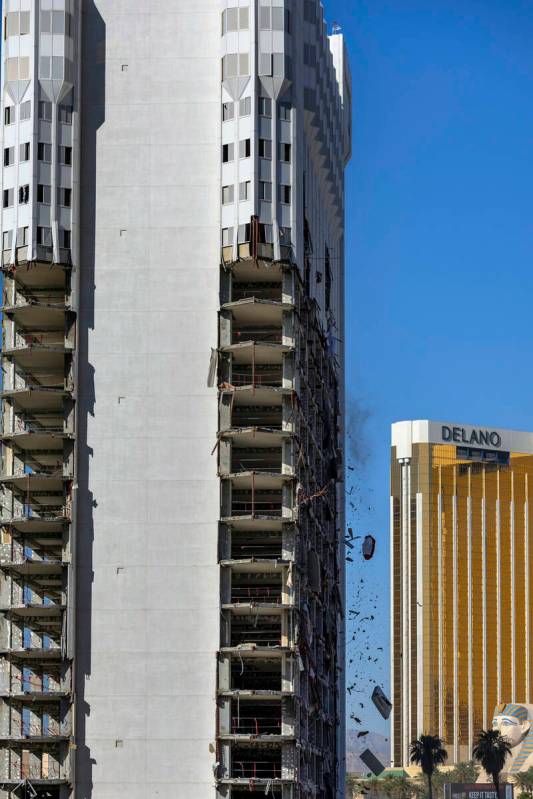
(278,455)
(36,595)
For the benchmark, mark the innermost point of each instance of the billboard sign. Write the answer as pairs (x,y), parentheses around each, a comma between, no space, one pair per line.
(476,790)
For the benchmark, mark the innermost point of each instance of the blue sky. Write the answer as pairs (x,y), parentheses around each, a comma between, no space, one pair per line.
(439,246)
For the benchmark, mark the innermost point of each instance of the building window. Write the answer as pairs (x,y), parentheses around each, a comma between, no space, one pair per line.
(244,190)
(285,236)
(18,25)
(245,107)
(22,236)
(25,110)
(265,64)
(55,22)
(227,237)
(265,148)
(65,156)
(228,153)
(24,194)
(310,11)
(309,55)
(9,198)
(285,194)
(244,234)
(64,197)
(265,191)
(278,19)
(44,152)
(245,148)
(7,240)
(281,65)
(265,234)
(65,114)
(229,66)
(286,153)
(234,19)
(45,110)
(244,64)
(230,20)
(228,111)
(44,194)
(9,114)
(44,236)
(9,156)
(25,151)
(227,195)
(285,112)
(18,68)
(235,65)
(265,107)
(65,239)
(264,18)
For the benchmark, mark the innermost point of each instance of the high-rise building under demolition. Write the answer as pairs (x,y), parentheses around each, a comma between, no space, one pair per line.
(171,567)
(462,580)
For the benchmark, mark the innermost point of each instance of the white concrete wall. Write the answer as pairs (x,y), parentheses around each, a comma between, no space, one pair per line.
(148,601)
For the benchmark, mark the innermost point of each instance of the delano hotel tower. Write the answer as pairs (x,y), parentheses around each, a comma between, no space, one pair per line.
(171,497)
(462,556)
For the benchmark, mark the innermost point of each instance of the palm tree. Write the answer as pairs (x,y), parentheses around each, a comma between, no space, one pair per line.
(428,753)
(491,751)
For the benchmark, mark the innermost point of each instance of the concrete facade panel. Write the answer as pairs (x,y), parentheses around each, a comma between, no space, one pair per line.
(149,299)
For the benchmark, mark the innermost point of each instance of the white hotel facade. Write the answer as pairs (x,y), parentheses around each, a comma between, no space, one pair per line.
(171,553)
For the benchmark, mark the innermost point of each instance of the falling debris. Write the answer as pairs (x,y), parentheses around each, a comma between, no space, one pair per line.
(362,733)
(369,547)
(370,760)
(382,703)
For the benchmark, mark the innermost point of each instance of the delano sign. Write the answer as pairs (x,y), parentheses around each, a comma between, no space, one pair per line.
(458,435)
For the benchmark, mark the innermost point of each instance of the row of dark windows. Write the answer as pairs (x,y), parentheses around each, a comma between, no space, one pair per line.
(44,196)
(264,107)
(44,237)
(264,150)
(265,235)
(44,153)
(45,112)
(238,19)
(264,190)
(17,23)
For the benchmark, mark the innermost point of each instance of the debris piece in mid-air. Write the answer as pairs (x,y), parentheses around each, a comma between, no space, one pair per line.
(382,703)
(370,760)
(369,547)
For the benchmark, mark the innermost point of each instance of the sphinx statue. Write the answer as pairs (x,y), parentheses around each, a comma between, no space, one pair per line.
(515,722)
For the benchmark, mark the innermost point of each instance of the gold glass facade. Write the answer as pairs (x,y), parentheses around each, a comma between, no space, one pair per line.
(462,557)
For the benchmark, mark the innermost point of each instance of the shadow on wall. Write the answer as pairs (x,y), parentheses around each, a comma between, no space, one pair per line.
(92,118)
